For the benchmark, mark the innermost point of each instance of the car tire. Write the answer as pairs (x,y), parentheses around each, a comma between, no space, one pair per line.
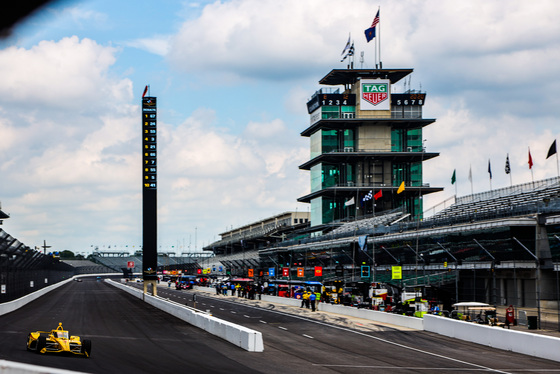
(86,347)
(41,343)
(28,340)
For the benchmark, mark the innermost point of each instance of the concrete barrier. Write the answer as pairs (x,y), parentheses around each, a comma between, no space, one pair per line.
(8,367)
(10,306)
(375,315)
(536,345)
(248,339)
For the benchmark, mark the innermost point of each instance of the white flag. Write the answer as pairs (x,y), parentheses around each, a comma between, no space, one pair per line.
(349,202)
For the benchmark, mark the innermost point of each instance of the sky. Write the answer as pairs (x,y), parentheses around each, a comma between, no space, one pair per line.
(232,79)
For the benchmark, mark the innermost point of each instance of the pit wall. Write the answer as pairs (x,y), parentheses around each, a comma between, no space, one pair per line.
(248,339)
(510,340)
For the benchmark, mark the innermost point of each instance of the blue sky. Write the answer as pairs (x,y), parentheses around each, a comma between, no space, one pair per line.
(232,79)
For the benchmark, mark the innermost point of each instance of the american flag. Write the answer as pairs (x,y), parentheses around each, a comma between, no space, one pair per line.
(375,20)
(370,33)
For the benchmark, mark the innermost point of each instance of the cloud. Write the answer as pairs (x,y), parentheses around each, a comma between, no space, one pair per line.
(69,122)
(71,154)
(223,178)
(60,75)
(263,39)
(158,45)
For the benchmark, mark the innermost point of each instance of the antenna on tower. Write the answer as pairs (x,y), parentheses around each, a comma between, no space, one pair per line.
(361,59)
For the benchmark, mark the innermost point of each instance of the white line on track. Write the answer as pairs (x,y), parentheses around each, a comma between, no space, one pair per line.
(307,336)
(429,369)
(261,321)
(481,367)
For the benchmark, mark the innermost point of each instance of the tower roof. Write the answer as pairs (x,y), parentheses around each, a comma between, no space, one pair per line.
(350,76)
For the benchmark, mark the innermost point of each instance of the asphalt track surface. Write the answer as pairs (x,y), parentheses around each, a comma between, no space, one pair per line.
(130,336)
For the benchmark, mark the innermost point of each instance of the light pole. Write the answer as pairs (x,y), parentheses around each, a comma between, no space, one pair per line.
(493,272)
(538,277)
(456,272)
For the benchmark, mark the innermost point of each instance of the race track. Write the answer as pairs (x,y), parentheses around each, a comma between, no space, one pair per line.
(130,336)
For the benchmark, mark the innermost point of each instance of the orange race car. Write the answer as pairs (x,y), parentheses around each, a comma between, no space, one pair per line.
(58,340)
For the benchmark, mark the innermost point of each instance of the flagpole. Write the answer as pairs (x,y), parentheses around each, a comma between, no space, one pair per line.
(379,42)
(375,51)
(470,178)
(557,167)
(531,167)
(508,170)
(490,173)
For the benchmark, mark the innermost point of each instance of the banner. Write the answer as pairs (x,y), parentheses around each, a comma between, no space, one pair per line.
(318,271)
(300,272)
(285,272)
(397,272)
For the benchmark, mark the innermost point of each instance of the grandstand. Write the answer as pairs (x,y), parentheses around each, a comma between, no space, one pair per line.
(259,234)
(24,270)
(517,200)
(3,215)
(501,246)
(188,262)
(88,267)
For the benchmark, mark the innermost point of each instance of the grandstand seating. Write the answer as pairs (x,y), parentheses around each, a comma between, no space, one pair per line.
(368,223)
(117,263)
(25,269)
(88,267)
(509,201)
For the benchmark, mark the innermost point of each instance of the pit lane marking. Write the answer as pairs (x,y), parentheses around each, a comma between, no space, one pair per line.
(477,366)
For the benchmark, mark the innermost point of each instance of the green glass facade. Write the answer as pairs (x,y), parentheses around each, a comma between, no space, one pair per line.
(356,150)
(327,141)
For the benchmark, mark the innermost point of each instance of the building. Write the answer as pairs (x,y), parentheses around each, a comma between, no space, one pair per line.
(366,145)
(259,234)
(500,246)
(3,215)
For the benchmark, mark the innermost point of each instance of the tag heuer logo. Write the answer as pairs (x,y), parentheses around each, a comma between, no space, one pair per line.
(375,92)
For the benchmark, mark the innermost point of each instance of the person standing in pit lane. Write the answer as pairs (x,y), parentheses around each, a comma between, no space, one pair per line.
(312,300)
(317,299)
(305,297)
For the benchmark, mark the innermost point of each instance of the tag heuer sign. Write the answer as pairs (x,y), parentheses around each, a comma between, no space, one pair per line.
(375,94)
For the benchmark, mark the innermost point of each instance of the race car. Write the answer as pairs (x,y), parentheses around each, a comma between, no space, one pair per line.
(58,340)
